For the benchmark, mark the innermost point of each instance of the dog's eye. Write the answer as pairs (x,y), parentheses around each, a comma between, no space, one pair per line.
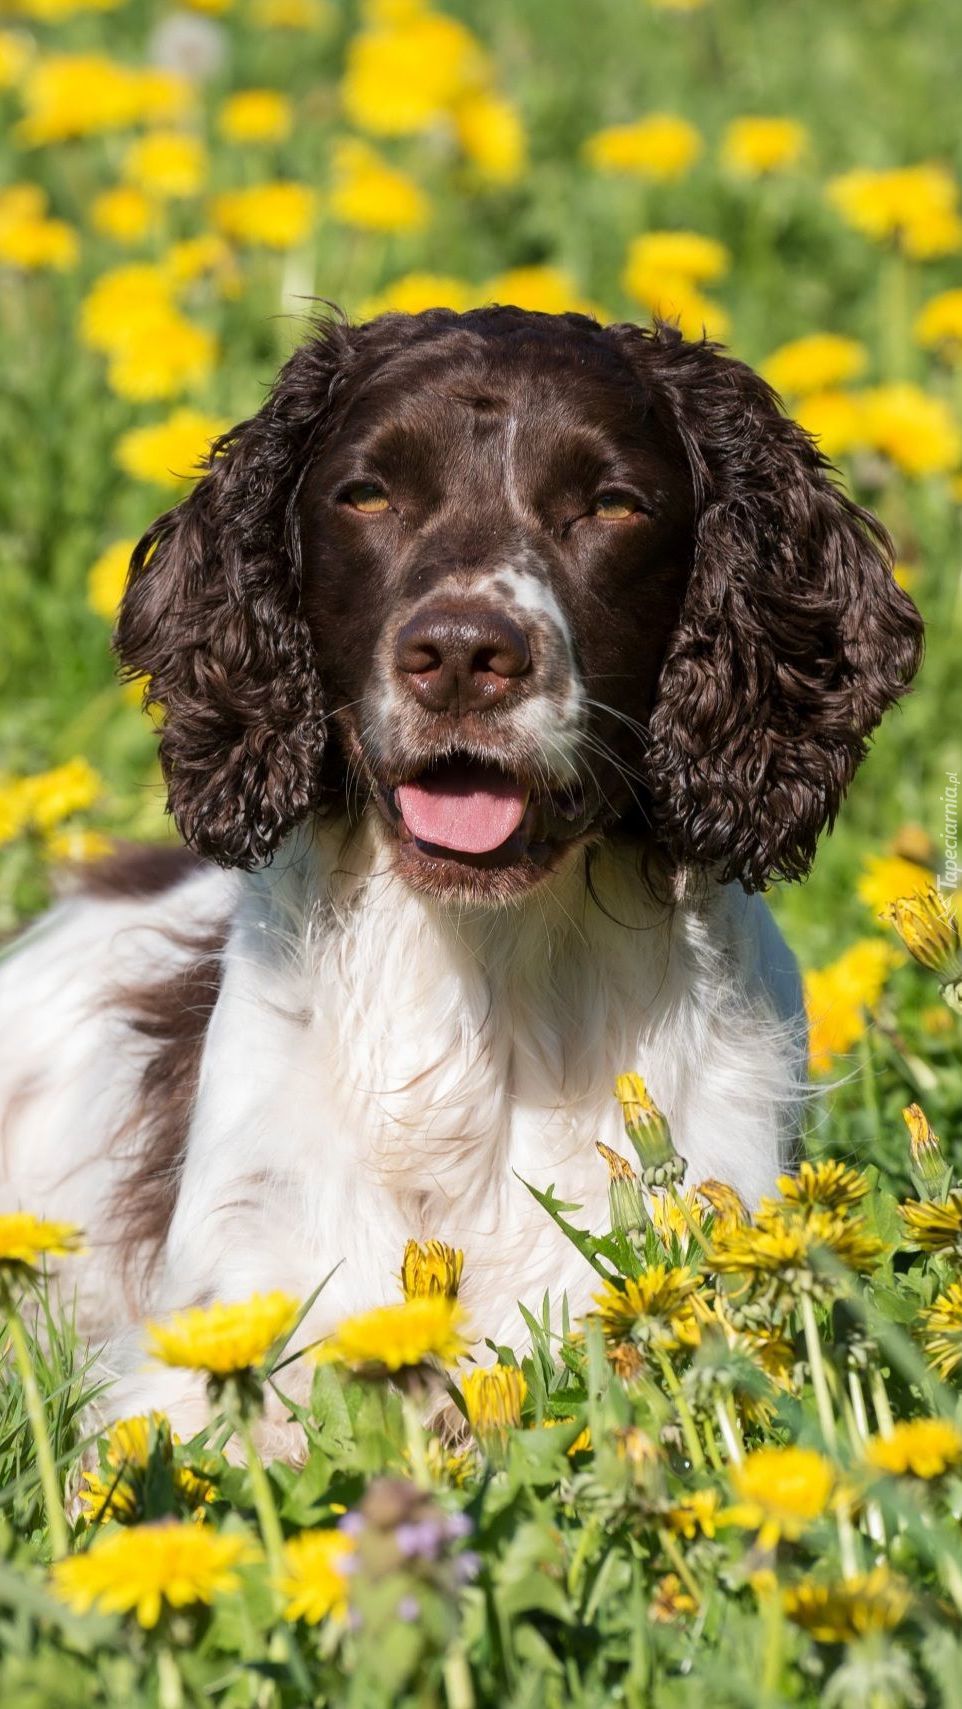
(366,497)
(614,507)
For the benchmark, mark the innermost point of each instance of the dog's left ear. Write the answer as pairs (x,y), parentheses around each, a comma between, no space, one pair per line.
(793,638)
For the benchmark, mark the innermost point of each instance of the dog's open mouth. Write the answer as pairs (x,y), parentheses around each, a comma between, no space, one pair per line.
(464,812)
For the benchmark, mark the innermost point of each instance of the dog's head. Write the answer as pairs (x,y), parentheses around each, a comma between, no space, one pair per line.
(514,581)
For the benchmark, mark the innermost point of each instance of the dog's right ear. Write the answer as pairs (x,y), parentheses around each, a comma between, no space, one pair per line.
(211,616)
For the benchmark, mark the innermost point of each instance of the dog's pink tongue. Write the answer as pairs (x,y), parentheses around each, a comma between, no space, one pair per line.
(463,809)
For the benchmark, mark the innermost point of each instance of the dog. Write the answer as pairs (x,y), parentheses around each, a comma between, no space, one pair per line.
(503,659)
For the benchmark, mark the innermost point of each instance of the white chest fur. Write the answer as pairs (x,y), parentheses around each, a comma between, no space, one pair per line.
(378,1068)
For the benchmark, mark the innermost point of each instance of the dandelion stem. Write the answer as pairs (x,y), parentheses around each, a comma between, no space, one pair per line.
(846,1541)
(712,1445)
(680,1565)
(457,1681)
(414,1437)
(880,1401)
(46,1466)
(728,1425)
(270,1525)
(823,1399)
(774,1640)
(689,1429)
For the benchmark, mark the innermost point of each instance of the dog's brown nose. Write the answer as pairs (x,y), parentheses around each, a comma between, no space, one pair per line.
(461,659)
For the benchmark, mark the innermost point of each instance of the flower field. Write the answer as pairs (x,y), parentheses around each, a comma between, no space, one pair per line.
(739,1480)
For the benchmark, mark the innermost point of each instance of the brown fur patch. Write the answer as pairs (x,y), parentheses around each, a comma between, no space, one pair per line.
(173,1014)
(135,870)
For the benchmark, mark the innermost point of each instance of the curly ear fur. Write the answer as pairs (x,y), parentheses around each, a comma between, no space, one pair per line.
(211,616)
(794,637)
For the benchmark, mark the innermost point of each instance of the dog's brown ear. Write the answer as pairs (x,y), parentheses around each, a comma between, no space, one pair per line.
(793,639)
(211,616)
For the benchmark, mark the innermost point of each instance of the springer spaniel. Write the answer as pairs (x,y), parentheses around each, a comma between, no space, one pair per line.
(503,658)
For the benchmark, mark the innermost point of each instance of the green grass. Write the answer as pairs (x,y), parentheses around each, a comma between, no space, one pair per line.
(571,1550)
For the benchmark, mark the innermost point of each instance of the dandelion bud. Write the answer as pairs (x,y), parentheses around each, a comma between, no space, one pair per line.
(927,1164)
(626,1207)
(649,1133)
(431,1267)
(493,1398)
(728,1205)
(928,925)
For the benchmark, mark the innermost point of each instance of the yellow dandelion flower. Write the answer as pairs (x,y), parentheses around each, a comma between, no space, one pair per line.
(670,1601)
(107,578)
(934,1228)
(938,325)
(754,147)
(118,1491)
(161,358)
(56,11)
(834,420)
(138,1570)
(169,452)
(52,796)
(840,1612)
(206,256)
(315,1581)
(492,136)
(778,1255)
(839,997)
(815,363)
(404,73)
(831,1185)
(668,1219)
(661,146)
(431,1267)
(14,809)
(671,297)
(695,1514)
(76,846)
(398,1337)
(224,1339)
(781,1492)
(33,244)
(917,432)
(941,1330)
(922,1448)
(543,290)
(886,878)
(582,1443)
(928,925)
(26,1240)
(255,115)
(493,1398)
(124,213)
(275,215)
(16,52)
(167,164)
(372,195)
(655,1308)
(291,14)
(414,292)
(649,1133)
(83,94)
(681,255)
(914,206)
(122,301)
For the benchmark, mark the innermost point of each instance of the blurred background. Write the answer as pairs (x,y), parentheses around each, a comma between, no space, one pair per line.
(178,183)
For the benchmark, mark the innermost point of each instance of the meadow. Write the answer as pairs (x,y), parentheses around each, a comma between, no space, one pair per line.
(740,1480)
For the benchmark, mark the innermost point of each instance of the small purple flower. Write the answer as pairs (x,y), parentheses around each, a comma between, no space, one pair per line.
(456,1526)
(466,1566)
(408,1609)
(420,1539)
(352,1524)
